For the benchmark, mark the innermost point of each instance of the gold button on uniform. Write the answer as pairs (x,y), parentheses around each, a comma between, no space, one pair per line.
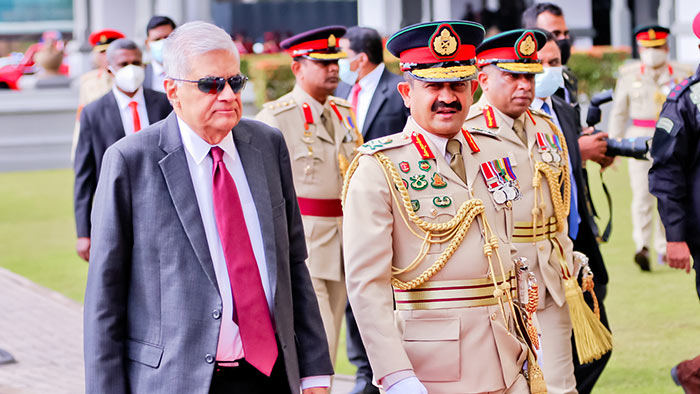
(493,316)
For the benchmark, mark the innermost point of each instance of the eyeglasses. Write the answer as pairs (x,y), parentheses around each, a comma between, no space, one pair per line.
(214,85)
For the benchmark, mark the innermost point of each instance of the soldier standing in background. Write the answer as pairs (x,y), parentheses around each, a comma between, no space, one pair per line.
(641,90)
(321,136)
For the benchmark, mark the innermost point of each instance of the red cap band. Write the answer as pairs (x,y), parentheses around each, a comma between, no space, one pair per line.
(308,46)
(423,55)
(507,53)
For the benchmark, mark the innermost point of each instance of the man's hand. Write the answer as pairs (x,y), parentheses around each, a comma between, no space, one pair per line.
(593,147)
(678,255)
(315,390)
(83,248)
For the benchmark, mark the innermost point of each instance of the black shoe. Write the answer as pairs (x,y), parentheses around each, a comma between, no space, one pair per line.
(642,259)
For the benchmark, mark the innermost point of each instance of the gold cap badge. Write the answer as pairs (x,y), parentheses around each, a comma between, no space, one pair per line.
(528,46)
(331,41)
(444,43)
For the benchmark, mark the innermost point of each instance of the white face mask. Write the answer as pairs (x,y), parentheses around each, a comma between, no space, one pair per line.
(129,78)
(344,73)
(157,50)
(653,57)
(549,81)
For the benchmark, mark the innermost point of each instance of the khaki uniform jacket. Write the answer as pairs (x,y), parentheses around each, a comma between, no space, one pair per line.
(93,85)
(316,170)
(451,350)
(543,258)
(640,93)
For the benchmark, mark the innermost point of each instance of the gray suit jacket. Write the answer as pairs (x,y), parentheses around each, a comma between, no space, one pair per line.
(152,305)
(386,113)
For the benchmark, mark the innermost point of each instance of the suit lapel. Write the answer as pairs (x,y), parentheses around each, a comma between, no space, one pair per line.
(254,168)
(112,116)
(378,99)
(179,182)
(152,108)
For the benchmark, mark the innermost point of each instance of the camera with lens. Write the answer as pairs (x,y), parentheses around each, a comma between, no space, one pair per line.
(636,148)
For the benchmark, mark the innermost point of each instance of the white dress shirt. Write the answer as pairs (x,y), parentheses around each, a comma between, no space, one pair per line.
(368,85)
(200,164)
(125,111)
(158,77)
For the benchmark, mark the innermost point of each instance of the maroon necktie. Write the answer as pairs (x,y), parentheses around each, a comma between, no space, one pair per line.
(254,322)
(354,95)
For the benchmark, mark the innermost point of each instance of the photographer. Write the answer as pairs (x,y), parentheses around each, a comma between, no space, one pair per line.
(641,89)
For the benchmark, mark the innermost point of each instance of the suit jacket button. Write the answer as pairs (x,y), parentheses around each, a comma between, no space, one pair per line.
(209,358)
(216,314)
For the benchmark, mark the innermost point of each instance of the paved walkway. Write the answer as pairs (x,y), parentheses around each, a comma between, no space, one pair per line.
(43,331)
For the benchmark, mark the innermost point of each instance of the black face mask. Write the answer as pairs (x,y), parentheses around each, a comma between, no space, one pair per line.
(565,47)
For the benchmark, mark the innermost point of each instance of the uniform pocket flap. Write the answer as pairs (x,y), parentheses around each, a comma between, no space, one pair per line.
(144,353)
(431,330)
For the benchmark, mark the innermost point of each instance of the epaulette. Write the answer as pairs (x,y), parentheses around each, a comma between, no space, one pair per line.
(279,106)
(488,133)
(341,101)
(630,68)
(681,87)
(384,143)
(473,113)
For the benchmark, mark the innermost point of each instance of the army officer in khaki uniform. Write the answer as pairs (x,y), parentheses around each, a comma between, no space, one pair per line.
(642,87)
(427,225)
(539,159)
(321,136)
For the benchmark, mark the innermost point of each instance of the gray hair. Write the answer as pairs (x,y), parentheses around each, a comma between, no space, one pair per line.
(191,40)
(116,45)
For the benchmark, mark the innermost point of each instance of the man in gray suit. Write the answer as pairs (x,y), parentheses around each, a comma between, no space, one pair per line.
(197,281)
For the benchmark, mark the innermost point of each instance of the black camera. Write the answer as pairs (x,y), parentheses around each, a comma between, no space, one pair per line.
(636,148)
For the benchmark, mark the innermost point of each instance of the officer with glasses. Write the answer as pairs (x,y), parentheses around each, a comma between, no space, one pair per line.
(321,134)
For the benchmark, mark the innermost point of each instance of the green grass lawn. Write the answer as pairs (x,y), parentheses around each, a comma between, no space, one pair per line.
(655,317)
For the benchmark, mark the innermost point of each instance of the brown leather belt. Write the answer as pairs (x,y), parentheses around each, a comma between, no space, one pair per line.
(446,294)
(320,207)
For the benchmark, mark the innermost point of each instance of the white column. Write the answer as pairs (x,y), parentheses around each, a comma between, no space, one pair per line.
(442,10)
(686,42)
(620,23)
(384,16)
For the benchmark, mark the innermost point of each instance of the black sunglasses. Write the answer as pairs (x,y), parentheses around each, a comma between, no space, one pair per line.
(215,85)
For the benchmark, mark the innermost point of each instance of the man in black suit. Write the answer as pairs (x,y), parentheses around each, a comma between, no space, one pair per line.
(380,111)
(125,110)
(581,224)
(157,30)
(369,86)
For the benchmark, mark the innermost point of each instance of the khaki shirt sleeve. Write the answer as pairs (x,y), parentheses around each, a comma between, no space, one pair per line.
(267,117)
(368,216)
(620,110)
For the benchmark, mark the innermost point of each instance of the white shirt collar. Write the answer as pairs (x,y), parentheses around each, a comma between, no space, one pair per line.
(537,103)
(372,79)
(123,100)
(198,148)
(157,68)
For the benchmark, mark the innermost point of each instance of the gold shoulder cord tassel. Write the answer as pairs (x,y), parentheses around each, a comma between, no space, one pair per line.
(592,338)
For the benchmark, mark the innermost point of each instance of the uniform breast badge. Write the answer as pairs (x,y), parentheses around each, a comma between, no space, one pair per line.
(418,182)
(503,186)
(404,167)
(437,181)
(549,148)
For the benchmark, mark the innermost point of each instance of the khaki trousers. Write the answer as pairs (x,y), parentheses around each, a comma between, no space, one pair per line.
(557,359)
(332,298)
(645,217)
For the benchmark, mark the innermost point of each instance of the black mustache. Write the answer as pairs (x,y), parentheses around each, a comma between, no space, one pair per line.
(438,105)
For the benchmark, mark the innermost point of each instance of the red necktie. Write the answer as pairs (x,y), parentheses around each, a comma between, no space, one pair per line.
(354,93)
(250,304)
(135,116)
